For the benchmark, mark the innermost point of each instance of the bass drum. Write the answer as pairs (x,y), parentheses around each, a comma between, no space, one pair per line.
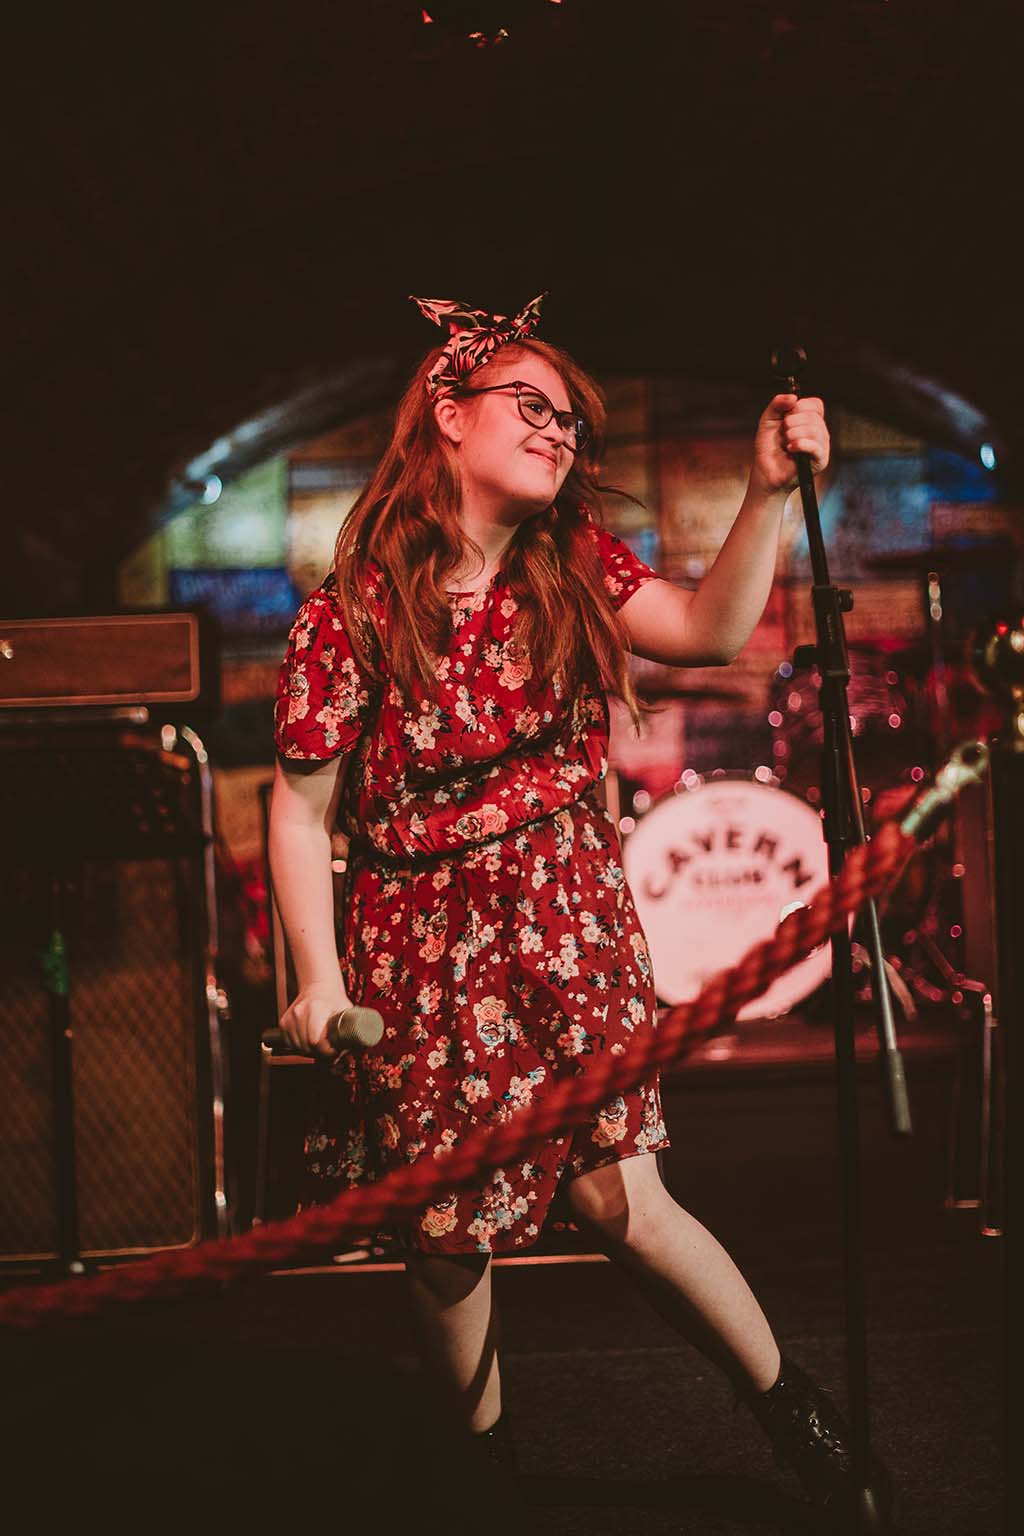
(713,868)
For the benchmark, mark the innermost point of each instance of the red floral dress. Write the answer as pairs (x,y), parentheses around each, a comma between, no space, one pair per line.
(486,915)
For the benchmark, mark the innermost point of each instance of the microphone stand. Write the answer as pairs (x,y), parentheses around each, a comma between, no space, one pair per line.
(843,828)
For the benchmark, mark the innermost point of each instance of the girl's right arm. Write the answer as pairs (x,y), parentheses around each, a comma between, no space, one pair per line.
(302,812)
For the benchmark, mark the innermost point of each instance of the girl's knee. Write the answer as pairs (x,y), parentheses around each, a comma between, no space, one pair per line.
(597,1200)
(621,1201)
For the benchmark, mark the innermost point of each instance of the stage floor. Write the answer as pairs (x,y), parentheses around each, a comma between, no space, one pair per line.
(300,1391)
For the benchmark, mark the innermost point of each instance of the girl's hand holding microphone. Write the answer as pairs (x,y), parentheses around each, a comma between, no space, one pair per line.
(323,1021)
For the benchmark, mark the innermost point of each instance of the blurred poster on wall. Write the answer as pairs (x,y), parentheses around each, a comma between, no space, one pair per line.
(629,466)
(246,602)
(702,484)
(876,505)
(970,522)
(654,759)
(325,478)
(313,522)
(245,526)
(886,613)
(854,435)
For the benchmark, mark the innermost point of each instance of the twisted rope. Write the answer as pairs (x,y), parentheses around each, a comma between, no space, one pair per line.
(184,1272)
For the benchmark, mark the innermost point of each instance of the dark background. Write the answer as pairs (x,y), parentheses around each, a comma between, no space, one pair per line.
(215,213)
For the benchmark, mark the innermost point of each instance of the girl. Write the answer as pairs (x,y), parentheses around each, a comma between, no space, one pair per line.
(444,696)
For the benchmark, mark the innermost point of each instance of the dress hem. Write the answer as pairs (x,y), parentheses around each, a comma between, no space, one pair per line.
(438,1249)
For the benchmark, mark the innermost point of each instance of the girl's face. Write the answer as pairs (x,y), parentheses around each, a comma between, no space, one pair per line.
(512,465)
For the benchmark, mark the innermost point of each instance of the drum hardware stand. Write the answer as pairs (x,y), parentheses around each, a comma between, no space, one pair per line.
(897,986)
(971,1002)
(981,1059)
(843,827)
(920,938)
(938,690)
(976,1013)
(924,931)
(993,1123)
(218,1007)
(997,656)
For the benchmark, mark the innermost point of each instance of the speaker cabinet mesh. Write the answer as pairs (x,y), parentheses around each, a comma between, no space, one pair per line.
(134,932)
(28,1180)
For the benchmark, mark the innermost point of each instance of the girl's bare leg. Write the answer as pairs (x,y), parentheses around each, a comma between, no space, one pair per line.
(683,1270)
(457,1329)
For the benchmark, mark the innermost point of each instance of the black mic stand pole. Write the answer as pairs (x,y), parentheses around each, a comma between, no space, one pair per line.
(843,828)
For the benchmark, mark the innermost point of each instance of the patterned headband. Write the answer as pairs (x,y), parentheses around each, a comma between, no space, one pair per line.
(473,336)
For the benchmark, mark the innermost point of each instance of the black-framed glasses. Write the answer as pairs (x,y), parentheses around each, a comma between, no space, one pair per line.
(536,410)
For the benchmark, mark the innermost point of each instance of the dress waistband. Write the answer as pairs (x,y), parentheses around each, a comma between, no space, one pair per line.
(361,850)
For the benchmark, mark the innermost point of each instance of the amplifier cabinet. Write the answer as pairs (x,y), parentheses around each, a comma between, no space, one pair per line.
(120,828)
(161,659)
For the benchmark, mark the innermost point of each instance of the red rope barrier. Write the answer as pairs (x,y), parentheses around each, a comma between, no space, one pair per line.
(183,1272)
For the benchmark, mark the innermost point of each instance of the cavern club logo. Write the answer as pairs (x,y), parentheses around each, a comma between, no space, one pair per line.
(713,870)
(757,856)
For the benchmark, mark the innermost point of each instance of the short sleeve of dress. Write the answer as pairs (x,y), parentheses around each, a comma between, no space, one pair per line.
(624,572)
(323,694)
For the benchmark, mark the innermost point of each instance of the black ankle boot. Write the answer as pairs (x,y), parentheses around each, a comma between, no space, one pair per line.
(498,1444)
(810,1435)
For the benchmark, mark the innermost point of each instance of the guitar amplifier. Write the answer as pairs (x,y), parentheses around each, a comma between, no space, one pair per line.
(162,660)
(107,984)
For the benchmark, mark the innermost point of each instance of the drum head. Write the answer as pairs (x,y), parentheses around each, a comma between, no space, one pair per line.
(713,870)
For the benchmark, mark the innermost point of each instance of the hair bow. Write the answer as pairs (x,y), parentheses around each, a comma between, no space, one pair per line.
(473,336)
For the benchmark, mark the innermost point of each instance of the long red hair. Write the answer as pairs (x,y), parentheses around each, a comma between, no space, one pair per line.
(406,519)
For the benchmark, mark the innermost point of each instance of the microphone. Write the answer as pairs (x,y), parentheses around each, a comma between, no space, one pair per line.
(967,765)
(787,364)
(353,1030)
